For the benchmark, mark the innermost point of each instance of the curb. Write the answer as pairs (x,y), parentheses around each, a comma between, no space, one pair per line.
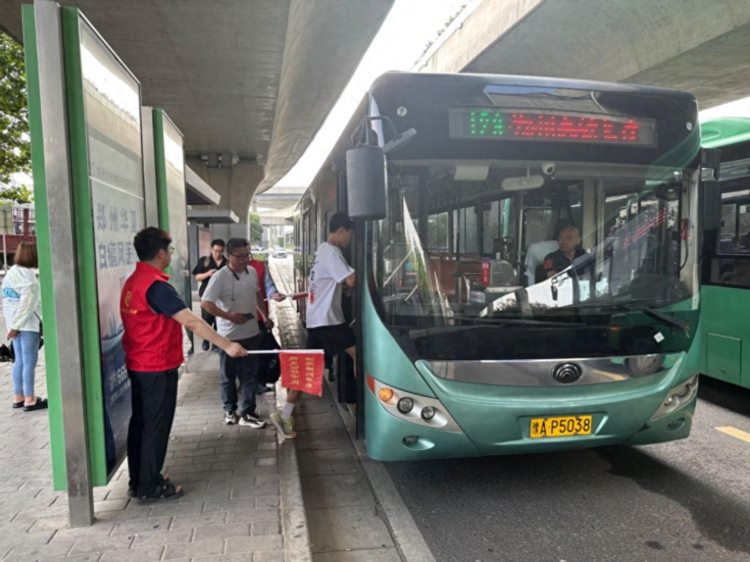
(295,535)
(406,535)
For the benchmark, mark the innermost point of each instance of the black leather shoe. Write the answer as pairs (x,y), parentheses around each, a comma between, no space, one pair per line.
(40,404)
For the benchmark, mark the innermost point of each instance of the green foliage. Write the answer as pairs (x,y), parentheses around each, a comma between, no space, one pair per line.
(256,230)
(20,194)
(15,145)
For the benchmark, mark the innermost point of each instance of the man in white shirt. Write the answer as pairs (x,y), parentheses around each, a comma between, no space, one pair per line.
(326,326)
(232,296)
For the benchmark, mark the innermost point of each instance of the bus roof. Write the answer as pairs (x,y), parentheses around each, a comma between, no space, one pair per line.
(716,133)
(520,80)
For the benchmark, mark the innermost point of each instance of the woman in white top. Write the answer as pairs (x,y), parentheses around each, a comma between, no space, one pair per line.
(22,309)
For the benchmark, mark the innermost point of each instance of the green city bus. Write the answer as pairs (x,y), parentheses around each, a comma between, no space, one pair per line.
(467,347)
(725,306)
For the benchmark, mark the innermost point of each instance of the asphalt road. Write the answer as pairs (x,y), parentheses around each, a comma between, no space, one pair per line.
(680,501)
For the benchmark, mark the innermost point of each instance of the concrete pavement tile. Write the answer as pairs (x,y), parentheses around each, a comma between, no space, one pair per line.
(148,554)
(369,555)
(268,557)
(149,539)
(352,528)
(222,531)
(197,521)
(82,546)
(266,501)
(142,526)
(110,505)
(92,557)
(265,543)
(346,490)
(194,549)
(174,508)
(266,528)
(34,552)
(250,515)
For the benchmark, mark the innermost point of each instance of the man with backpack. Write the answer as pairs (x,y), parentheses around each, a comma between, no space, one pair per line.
(206,267)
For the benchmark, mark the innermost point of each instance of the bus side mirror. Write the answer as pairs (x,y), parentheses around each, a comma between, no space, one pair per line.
(711,198)
(366,182)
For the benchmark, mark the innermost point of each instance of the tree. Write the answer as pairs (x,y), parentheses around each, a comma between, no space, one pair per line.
(20,194)
(15,146)
(256,229)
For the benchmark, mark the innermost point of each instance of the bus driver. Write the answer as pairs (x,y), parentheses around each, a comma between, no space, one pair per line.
(569,240)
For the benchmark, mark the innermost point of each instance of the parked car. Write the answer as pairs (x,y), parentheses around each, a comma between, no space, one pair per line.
(279,253)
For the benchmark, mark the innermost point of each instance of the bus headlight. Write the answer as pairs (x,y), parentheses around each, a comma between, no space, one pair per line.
(428,412)
(405,405)
(677,397)
(417,409)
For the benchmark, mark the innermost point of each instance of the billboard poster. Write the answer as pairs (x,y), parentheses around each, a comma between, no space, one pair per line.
(112,110)
(174,187)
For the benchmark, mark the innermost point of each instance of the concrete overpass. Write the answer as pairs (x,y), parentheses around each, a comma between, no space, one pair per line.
(248,82)
(695,45)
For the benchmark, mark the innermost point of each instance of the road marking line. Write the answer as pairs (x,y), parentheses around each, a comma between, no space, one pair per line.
(734,432)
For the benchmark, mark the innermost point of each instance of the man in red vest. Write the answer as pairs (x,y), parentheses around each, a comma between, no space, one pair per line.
(153,315)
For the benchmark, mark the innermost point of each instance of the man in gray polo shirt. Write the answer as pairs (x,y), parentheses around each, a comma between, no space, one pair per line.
(232,296)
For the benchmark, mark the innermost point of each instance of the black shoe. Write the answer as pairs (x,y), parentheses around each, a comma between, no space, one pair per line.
(40,404)
(165,491)
(205,345)
(252,421)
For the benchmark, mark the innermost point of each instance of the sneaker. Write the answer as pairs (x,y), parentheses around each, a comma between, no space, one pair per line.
(284,427)
(205,345)
(252,421)
(230,418)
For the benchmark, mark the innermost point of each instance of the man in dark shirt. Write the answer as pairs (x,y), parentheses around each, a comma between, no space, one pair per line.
(203,271)
(569,240)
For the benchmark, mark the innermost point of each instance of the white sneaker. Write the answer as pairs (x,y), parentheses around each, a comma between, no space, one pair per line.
(284,427)
(230,418)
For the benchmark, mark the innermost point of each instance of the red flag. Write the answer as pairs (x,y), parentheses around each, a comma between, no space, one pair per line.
(302,369)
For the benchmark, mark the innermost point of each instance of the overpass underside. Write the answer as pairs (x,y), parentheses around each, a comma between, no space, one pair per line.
(695,45)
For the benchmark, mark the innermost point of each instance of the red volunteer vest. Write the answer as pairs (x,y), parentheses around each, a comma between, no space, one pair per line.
(152,342)
(260,270)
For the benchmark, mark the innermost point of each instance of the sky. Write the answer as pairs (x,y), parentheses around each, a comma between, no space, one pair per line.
(406,31)
(737,108)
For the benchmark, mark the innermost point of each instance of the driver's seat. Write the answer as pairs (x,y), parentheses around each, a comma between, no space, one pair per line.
(535,254)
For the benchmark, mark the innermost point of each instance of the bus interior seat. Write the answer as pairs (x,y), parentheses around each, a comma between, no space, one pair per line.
(535,255)
(447,268)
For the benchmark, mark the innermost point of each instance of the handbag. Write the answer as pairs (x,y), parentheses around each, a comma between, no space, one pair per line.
(10,353)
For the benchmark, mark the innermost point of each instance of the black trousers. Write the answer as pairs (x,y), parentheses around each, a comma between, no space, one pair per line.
(243,370)
(209,318)
(154,399)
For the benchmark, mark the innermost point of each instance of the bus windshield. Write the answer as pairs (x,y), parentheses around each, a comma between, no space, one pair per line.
(552,249)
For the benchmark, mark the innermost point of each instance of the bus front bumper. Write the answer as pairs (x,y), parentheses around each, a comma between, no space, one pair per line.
(481,420)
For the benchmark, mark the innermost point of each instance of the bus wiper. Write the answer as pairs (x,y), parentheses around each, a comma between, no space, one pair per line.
(665,318)
(484,323)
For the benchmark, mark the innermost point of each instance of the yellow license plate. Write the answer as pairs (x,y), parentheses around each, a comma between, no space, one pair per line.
(560,426)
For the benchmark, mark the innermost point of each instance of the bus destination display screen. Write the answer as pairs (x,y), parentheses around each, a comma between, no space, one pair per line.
(484,123)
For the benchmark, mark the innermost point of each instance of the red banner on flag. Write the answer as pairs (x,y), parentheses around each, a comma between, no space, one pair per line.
(302,369)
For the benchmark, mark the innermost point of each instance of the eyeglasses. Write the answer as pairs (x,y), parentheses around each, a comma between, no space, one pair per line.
(241,256)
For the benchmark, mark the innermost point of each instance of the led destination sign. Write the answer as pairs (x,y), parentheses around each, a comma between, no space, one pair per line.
(483,123)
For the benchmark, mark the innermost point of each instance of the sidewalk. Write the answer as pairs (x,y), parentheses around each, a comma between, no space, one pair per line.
(232,509)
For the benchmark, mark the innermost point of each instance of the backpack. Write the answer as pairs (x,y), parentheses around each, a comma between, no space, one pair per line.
(269,369)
